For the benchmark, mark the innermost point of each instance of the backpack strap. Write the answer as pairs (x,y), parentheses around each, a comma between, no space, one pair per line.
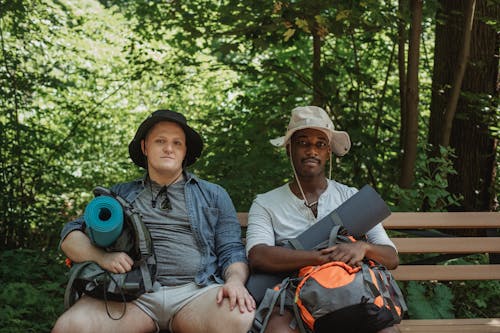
(332,240)
(382,291)
(391,288)
(397,291)
(142,237)
(70,294)
(335,218)
(296,244)
(266,306)
(298,319)
(124,301)
(264,310)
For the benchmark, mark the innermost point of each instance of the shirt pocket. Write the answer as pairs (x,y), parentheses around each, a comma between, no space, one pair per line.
(212,217)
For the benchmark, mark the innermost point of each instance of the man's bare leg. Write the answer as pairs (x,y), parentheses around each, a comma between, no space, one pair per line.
(89,315)
(203,314)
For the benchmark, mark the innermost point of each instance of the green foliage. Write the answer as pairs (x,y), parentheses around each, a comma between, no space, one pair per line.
(77,77)
(32,291)
(69,99)
(431,192)
(429,301)
(476,299)
(452,299)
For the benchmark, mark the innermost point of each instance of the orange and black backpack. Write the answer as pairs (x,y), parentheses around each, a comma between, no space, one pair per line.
(336,296)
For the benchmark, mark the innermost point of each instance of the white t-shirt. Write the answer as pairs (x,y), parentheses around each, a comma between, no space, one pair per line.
(279,215)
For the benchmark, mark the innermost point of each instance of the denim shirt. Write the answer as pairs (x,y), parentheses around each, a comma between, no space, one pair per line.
(213,220)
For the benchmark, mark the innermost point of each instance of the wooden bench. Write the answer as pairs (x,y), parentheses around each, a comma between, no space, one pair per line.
(447,245)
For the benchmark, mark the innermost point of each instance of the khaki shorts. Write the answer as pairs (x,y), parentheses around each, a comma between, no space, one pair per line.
(162,305)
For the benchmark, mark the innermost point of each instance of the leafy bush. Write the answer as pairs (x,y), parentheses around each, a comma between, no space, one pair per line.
(429,300)
(431,183)
(32,291)
(452,299)
(475,298)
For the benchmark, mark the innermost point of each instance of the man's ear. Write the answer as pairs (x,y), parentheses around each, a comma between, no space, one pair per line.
(143,147)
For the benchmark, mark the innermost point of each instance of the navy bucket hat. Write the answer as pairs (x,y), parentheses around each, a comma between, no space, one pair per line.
(194,142)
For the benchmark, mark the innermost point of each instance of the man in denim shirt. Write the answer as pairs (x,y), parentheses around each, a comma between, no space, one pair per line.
(201,263)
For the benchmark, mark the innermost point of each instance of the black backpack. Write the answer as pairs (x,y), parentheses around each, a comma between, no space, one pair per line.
(90,279)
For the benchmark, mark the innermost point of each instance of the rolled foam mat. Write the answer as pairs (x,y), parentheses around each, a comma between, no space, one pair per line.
(104,218)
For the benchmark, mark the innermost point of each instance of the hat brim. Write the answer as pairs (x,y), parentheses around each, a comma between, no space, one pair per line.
(340,141)
(194,142)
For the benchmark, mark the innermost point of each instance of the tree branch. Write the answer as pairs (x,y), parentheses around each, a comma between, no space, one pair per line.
(463,57)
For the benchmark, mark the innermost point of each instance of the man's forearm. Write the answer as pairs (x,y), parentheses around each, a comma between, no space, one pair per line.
(78,247)
(237,271)
(383,254)
(275,259)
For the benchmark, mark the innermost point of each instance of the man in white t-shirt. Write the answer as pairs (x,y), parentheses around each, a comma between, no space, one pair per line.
(286,211)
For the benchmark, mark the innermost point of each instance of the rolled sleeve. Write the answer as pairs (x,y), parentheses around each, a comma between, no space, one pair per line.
(378,235)
(77,224)
(260,229)
(229,246)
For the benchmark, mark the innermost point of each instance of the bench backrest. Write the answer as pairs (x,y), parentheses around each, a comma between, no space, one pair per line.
(440,245)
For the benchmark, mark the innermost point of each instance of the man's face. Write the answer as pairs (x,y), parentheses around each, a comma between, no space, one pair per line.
(310,149)
(165,148)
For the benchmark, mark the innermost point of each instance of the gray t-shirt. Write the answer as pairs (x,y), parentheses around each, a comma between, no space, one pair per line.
(177,252)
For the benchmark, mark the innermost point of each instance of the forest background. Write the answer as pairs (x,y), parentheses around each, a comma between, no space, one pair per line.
(415,84)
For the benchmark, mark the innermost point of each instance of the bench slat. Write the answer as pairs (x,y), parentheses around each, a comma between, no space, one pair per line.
(449,272)
(448,245)
(442,220)
(450,325)
(432,220)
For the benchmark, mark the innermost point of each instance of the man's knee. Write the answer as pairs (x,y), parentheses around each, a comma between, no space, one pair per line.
(242,322)
(204,312)
(91,315)
(61,325)
(71,321)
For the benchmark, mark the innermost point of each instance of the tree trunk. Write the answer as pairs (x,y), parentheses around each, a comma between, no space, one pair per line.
(410,141)
(402,71)
(470,136)
(463,57)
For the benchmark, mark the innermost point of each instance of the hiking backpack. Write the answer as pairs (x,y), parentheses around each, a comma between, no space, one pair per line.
(90,279)
(336,296)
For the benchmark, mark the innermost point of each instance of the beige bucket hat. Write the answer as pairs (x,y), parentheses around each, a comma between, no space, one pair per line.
(317,118)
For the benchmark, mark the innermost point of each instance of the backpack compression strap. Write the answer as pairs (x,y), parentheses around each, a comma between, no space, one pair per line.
(143,239)
(142,236)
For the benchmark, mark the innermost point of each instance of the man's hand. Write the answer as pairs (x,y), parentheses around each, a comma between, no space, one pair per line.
(350,253)
(116,262)
(238,296)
